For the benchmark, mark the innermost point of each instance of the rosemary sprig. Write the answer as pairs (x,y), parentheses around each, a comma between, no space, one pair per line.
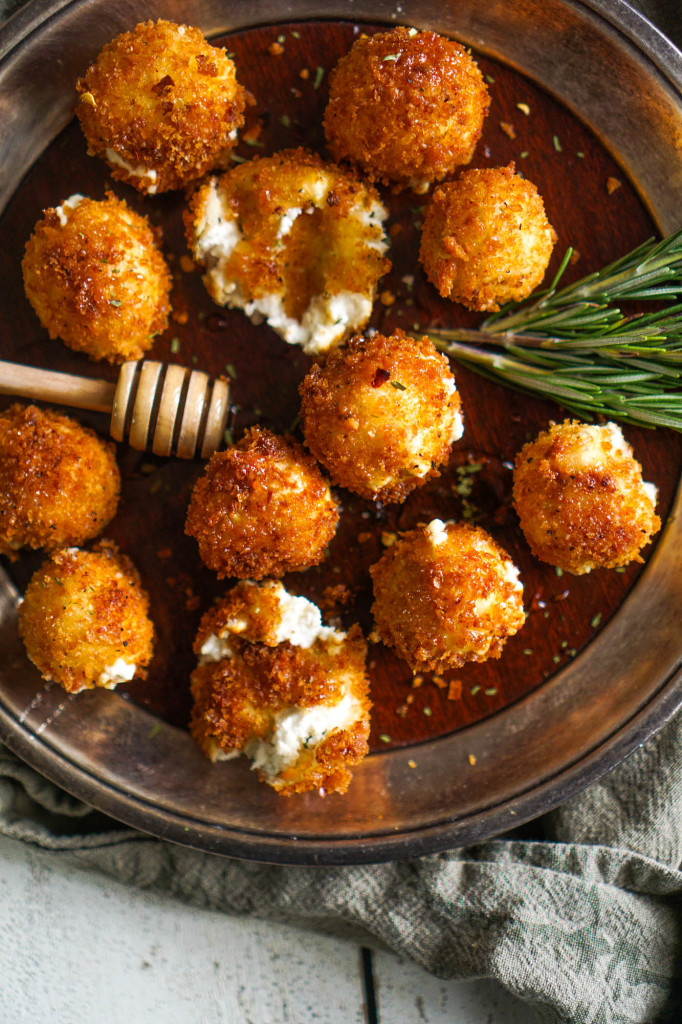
(575,346)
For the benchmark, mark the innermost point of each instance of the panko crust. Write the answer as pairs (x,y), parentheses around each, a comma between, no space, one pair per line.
(255,607)
(581,500)
(407,107)
(236,700)
(440,606)
(486,239)
(165,102)
(59,482)
(261,508)
(81,613)
(332,246)
(96,278)
(382,414)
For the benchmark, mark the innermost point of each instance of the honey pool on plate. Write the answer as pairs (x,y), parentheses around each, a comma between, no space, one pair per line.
(592,207)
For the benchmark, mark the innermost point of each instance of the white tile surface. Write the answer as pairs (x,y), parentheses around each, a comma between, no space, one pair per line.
(76,948)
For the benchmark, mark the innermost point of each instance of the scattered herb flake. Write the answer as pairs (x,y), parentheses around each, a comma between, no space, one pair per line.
(524,154)
(255,142)
(175,346)
(319,75)
(115,302)
(428,712)
(557,145)
(398,386)
(295,34)
(474,690)
(281,39)
(227,436)
(580,155)
(491,691)
(558,570)
(155,730)
(390,56)
(527,651)
(556,658)
(231,370)
(237,159)
(285,120)
(384,738)
(595,621)
(489,78)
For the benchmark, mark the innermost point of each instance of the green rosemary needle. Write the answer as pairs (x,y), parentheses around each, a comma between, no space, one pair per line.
(576,347)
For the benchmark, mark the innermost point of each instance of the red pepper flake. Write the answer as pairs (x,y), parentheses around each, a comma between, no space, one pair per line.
(440,682)
(409,699)
(275,49)
(455,689)
(304,73)
(508,129)
(612,185)
(164,553)
(380,377)
(417,681)
(574,257)
(387,298)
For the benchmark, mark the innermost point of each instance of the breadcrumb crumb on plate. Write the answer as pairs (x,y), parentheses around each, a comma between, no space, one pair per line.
(446,594)
(290,693)
(261,508)
(406,107)
(161,106)
(382,414)
(95,277)
(59,482)
(84,619)
(486,238)
(292,241)
(581,499)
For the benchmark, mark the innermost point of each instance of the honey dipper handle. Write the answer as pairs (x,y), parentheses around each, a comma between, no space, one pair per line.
(62,388)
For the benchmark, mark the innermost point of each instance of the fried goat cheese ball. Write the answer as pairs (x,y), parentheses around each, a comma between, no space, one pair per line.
(382,414)
(293,241)
(275,684)
(581,500)
(406,107)
(84,619)
(161,106)
(261,508)
(486,239)
(446,594)
(59,482)
(95,276)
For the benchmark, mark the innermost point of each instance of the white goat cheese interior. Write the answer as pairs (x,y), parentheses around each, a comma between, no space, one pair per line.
(328,316)
(135,170)
(69,204)
(437,531)
(121,671)
(295,729)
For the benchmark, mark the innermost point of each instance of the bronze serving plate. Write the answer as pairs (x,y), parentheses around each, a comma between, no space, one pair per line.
(596,670)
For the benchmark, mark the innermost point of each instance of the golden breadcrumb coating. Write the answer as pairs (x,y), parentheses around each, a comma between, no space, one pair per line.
(446,594)
(261,508)
(406,107)
(294,241)
(486,238)
(299,708)
(59,482)
(161,106)
(382,414)
(94,275)
(84,619)
(581,500)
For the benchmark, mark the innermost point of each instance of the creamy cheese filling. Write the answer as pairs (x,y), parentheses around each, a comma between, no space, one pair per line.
(69,204)
(297,729)
(135,170)
(437,531)
(121,671)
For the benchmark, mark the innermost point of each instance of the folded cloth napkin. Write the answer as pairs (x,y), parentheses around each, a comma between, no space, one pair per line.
(584,920)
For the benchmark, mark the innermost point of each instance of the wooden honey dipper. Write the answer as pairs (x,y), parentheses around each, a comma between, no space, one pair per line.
(170,407)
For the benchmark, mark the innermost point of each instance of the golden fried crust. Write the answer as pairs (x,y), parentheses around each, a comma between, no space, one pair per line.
(94,275)
(255,608)
(442,605)
(579,495)
(382,414)
(406,107)
(236,700)
(59,482)
(163,100)
(335,248)
(82,612)
(262,508)
(486,238)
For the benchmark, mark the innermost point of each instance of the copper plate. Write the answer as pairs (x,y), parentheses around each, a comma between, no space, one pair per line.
(625,84)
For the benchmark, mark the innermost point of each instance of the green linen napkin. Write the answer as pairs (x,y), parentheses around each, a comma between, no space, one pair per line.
(583,921)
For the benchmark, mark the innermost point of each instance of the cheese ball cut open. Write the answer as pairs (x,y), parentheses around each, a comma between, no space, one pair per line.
(382,414)
(84,619)
(261,508)
(275,684)
(581,499)
(406,107)
(292,241)
(161,106)
(95,276)
(446,594)
(59,482)
(486,239)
